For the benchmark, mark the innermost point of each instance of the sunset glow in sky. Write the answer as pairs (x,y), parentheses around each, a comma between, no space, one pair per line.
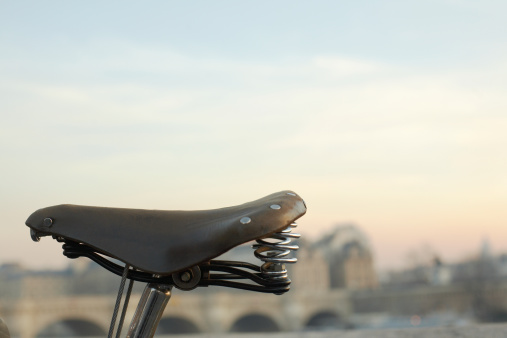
(388,114)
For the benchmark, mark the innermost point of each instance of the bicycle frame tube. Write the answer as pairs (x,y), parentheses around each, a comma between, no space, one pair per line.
(149,311)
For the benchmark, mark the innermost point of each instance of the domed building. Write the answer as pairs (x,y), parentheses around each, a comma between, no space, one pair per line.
(348,253)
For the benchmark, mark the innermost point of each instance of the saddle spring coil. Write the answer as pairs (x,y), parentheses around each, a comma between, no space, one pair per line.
(273,251)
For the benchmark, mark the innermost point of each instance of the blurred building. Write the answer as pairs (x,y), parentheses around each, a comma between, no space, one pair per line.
(311,272)
(349,257)
(502,265)
(484,267)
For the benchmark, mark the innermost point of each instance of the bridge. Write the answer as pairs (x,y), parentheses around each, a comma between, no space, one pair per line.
(220,312)
(187,312)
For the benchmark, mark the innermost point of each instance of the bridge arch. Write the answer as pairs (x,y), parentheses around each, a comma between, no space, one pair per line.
(177,325)
(72,327)
(322,320)
(255,322)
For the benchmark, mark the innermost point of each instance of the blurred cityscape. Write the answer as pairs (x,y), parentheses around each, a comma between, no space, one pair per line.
(335,286)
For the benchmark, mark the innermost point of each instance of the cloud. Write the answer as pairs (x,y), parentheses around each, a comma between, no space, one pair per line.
(363,111)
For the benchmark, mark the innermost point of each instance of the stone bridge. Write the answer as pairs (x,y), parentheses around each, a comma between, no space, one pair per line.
(219,312)
(187,312)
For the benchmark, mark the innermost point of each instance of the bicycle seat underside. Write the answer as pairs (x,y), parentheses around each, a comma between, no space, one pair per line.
(161,241)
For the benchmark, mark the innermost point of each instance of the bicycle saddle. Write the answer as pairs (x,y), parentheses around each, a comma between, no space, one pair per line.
(161,241)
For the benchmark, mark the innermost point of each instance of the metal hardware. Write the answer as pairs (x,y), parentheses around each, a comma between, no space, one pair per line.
(186,276)
(117,304)
(291,194)
(188,279)
(273,251)
(149,311)
(47,222)
(275,207)
(125,306)
(245,220)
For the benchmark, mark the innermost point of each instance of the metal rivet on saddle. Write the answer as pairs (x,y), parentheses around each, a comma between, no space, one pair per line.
(275,207)
(47,222)
(291,194)
(245,220)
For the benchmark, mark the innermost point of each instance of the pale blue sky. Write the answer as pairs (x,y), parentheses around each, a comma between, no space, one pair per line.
(390,114)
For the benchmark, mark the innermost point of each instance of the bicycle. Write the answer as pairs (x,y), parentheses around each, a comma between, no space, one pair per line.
(167,249)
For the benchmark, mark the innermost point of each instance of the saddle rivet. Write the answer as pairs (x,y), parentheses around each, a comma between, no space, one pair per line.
(245,220)
(275,207)
(47,222)
(291,193)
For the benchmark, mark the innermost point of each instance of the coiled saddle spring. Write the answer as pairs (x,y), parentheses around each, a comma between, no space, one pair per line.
(274,252)
(270,277)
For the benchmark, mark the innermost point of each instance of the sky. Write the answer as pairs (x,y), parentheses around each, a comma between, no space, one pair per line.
(390,115)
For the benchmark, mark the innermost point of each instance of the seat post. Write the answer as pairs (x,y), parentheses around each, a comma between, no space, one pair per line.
(149,311)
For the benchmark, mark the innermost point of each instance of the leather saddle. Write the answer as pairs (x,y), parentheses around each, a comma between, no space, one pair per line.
(161,241)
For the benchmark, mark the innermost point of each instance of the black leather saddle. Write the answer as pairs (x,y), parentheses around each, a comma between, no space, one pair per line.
(161,241)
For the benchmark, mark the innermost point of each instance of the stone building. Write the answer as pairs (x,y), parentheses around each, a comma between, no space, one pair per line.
(350,259)
(311,272)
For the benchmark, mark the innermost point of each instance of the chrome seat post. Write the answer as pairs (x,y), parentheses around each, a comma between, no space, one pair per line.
(149,311)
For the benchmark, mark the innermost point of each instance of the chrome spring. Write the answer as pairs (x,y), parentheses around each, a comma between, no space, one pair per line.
(273,251)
